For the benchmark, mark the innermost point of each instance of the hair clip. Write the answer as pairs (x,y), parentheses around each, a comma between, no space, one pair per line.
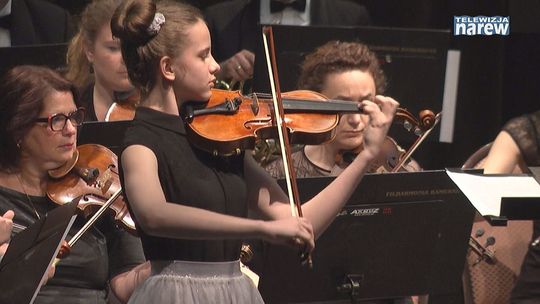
(156,24)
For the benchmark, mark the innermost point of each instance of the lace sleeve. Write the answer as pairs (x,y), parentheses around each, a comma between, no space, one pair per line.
(304,168)
(524,131)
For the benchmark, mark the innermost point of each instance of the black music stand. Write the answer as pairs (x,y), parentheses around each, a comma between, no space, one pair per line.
(109,134)
(399,235)
(31,252)
(50,55)
(522,208)
(514,208)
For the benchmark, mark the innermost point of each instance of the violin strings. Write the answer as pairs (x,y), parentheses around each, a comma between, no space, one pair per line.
(18,228)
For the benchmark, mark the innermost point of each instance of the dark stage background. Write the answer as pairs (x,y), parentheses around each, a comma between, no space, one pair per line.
(498,74)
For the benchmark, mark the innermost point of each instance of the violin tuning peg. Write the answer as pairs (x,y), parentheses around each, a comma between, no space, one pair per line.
(479,232)
(407,125)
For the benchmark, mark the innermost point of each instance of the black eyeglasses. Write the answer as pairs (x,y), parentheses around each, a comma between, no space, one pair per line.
(57,122)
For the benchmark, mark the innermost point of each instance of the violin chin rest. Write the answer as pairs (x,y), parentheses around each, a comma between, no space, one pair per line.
(65,168)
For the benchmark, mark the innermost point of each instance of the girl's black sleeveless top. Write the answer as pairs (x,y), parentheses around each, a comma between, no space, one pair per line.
(189,177)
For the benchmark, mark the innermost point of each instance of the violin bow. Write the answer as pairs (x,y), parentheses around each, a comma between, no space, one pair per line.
(91,221)
(279,115)
(87,225)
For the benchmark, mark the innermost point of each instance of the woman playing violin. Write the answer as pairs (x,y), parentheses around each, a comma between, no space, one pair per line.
(38,128)
(342,71)
(190,206)
(95,62)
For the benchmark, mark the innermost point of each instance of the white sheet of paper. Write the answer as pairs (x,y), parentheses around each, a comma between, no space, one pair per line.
(485,191)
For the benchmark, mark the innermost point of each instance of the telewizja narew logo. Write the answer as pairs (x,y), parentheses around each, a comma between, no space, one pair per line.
(481,25)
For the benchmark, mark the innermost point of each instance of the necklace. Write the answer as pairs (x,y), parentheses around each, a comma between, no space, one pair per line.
(314,164)
(28,197)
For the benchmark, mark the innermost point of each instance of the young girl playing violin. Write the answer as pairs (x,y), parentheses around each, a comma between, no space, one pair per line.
(190,206)
(94,62)
(342,71)
(38,130)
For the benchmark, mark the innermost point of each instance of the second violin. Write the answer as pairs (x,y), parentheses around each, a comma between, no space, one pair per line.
(92,175)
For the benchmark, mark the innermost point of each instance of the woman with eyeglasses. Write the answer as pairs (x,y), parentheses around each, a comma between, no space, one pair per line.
(38,131)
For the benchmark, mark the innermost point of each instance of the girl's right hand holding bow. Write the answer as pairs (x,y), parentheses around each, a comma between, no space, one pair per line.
(291,231)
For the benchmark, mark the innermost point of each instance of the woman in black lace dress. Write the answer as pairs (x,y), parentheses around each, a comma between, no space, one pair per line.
(515,148)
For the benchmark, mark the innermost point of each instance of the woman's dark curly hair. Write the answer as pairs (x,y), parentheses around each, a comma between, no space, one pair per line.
(337,57)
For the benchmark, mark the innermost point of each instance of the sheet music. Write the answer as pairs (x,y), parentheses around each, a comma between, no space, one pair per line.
(30,254)
(485,191)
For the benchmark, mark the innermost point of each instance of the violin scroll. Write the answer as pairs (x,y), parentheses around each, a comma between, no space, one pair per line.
(426,120)
(483,252)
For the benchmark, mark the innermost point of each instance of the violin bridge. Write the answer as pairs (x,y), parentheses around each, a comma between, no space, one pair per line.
(255,105)
(104,181)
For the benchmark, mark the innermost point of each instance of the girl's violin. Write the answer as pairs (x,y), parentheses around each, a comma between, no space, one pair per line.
(311,119)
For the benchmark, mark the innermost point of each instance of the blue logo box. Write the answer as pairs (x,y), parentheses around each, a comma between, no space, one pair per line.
(481,25)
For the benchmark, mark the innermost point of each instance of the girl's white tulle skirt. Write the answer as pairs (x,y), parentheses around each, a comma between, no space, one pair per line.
(188,282)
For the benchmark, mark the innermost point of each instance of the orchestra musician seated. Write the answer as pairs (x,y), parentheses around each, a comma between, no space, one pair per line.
(340,71)
(95,66)
(515,148)
(38,131)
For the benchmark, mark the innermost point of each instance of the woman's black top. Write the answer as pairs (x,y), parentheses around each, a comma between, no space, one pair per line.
(189,177)
(101,253)
(86,100)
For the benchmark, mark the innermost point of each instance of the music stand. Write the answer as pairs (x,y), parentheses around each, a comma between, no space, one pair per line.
(518,194)
(109,134)
(522,208)
(30,254)
(399,235)
(50,55)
